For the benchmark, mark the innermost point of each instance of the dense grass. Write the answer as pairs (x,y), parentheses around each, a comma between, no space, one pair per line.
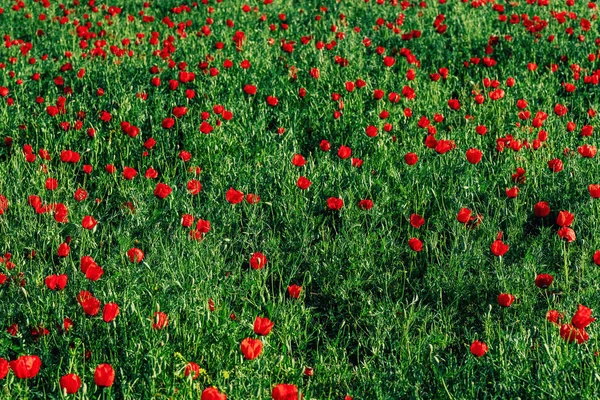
(375,319)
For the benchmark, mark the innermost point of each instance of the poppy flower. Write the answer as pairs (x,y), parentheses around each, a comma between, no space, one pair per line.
(284,391)
(89,222)
(258,260)
(303,183)
(365,204)
(541,209)
(415,244)
(543,280)
(298,160)
(564,218)
(263,326)
(70,383)
(512,192)
(187,220)
(325,145)
(498,247)
(129,173)
(110,312)
(464,215)
(554,316)
(90,304)
(51,184)
(160,320)
(505,299)
(294,291)
(594,190)
(597,257)
(454,104)
(104,375)
(582,317)
(570,333)
(191,368)
(252,198)
(344,152)
(26,367)
(161,191)
(416,221)
(234,196)
(135,255)
(250,90)
(474,155)
(555,165)
(56,282)
(3,204)
(80,195)
(212,393)
(567,233)
(411,158)
(371,131)
(63,250)
(272,101)
(251,348)
(478,348)
(151,174)
(335,203)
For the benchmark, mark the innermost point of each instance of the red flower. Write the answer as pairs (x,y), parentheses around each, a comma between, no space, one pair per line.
(411,158)
(498,247)
(63,250)
(250,90)
(252,198)
(135,255)
(26,367)
(284,391)
(104,376)
(258,260)
(454,104)
(555,165)
(90,304)
(272,101)
(567,233)
(187,220)
(51,184)
(365,204)
(505,299)
(110,312)
(543,280)
(294,291)
(335,203)
(344,152)
(89,222)
(262,326)
(554,316)
(464,215)
(565,218)
(303,183)
(298,160)
(70,383)
(160,320)
(416,221)
(415,244)
(478,348)
(251,348)
(161,191)
(597,257)
(541,209)
(3,204)
(371,131)
(212,393)
(474,155)
(594,190)
(129,173)
(80,195)
(324,145)
(193,369)
(56,282)
(569,333)
(582,318)
(194,186)
(234,196)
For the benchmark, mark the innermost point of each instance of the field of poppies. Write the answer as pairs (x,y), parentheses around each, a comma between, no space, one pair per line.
(279,199)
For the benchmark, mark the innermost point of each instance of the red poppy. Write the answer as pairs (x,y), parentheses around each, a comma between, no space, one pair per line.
(597,257)
(187,220)
(582,318)
(324,145)
(554,316)
(570,333)
(371,131)
(416,221)
(263,326)
(193,369)
(335,203)
(303,183)
(258,260)
(161,191)
(564,218)
(26,367)
(344,152)
(555,165)
(152,174)
(3,204)
(56,282)
(298,160)
(474,155)
(70,383)
(478,348)
(104,375)
(464,215)
(3,368)
(251,348)
(250,89)
(160,320)
(567,233)
(51,184)
(512,192)
(212,393)
(505,299)
(541,209)
(415,244)
(284,391)
(365,204)
(234,196)
(594,190)
(498,247)
(89,222)
(543,280)
(252,198)
(63,250)
(110,312)
(135,255)
(129,173)
(454,104)
(294,291)
(90,304)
